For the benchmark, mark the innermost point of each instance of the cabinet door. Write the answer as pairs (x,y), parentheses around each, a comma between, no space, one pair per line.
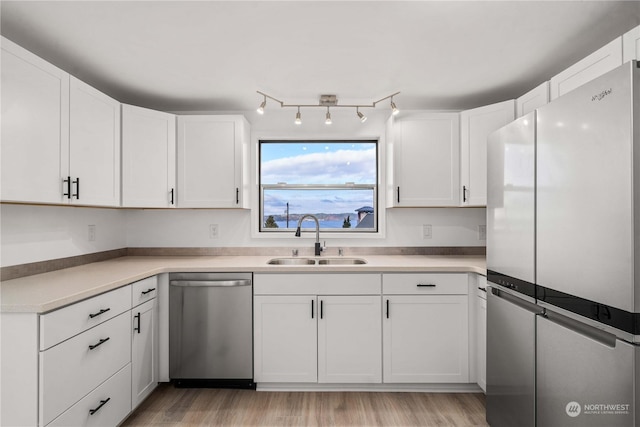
(35,127)
(148,158)
(425,339)
(475,127)
(599,62)
(426,160)
(349,339)
(285,339)
(535,98)
(144,351)
(94,146)
(481,342)
(631,45)
(210,157)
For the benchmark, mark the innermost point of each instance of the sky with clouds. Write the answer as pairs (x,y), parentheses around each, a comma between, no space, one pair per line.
(317,163)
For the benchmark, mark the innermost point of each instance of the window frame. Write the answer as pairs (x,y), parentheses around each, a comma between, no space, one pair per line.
(375,187)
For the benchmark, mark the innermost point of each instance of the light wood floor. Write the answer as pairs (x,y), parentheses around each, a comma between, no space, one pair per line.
(169,406)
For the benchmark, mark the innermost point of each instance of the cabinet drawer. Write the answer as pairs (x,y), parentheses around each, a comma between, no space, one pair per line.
(316,284)
(72,369)
(66,322)
(144,290)
(116,395)
(425,283)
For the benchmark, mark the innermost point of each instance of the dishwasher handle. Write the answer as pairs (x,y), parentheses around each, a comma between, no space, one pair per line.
(210,283)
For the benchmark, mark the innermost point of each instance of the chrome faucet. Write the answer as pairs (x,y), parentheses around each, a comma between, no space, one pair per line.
(318,248)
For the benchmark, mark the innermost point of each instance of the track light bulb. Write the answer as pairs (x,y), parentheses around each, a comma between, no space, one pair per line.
(260,109)
(298,118)
(328,119)
(394,109)
(362,117)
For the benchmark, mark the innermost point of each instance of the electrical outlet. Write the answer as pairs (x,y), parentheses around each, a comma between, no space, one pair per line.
(482,232)
(426,231)
(91,236)
(213,231)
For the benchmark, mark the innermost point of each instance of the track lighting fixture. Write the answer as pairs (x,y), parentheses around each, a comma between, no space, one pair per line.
(394,109)
(362,117)
(328,101)
(298,118)
(260,109)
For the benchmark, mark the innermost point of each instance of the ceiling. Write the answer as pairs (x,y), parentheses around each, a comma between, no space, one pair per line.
(213,55)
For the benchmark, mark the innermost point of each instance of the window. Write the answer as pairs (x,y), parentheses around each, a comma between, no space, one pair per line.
(334,180)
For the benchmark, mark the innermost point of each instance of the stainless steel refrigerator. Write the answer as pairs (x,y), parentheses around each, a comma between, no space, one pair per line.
(587,253)
(511,308)
(563,247)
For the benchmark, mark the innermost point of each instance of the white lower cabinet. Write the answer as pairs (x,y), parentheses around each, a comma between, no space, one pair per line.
(312,337)
(144,351)
(107,405)
(426,334)
(85,364)
(349,337)
(285,343)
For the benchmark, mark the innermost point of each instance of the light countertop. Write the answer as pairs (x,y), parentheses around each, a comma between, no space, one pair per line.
(45,292)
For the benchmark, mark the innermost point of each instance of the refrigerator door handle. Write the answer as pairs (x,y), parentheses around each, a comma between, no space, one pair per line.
(603,337)
(515,300)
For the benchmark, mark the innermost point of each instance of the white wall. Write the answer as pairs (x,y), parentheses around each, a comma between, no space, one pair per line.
(38,233)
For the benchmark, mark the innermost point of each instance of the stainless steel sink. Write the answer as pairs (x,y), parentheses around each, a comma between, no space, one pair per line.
(341,261)
(292,261)
(316,261)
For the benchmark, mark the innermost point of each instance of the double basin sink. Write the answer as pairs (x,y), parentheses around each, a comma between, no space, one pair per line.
(316,261)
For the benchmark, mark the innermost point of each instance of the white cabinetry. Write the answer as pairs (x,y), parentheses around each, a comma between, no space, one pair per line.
(94,146)
(425,328)
(73,365)
(631,45)
(144,341)
(475,127)
(35,127)
(212,152)
(285,338)
(481,333)
(148,158)
(425,160)
(598,63)
(349,337)
(60,137)
(535,98)
(328,332)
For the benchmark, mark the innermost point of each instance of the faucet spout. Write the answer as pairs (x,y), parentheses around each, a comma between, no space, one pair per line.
(318,248)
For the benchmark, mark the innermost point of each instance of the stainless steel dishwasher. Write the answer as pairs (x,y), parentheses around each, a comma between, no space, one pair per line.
(211,330)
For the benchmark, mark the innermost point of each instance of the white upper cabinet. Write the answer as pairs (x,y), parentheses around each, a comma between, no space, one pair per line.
(35,127)
(475,127)
(94,146)
(425,160)
(598,63)
(148,158)
(211,157)
(631,45)
(535,98)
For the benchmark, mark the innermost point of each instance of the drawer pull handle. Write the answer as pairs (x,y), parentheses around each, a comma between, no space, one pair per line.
(148,291)
(426,285)
(104,310)
(102,341)
(482,289)
(102,403)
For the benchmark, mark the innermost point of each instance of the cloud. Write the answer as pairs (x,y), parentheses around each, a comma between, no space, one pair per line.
(316,201)
(338,167)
